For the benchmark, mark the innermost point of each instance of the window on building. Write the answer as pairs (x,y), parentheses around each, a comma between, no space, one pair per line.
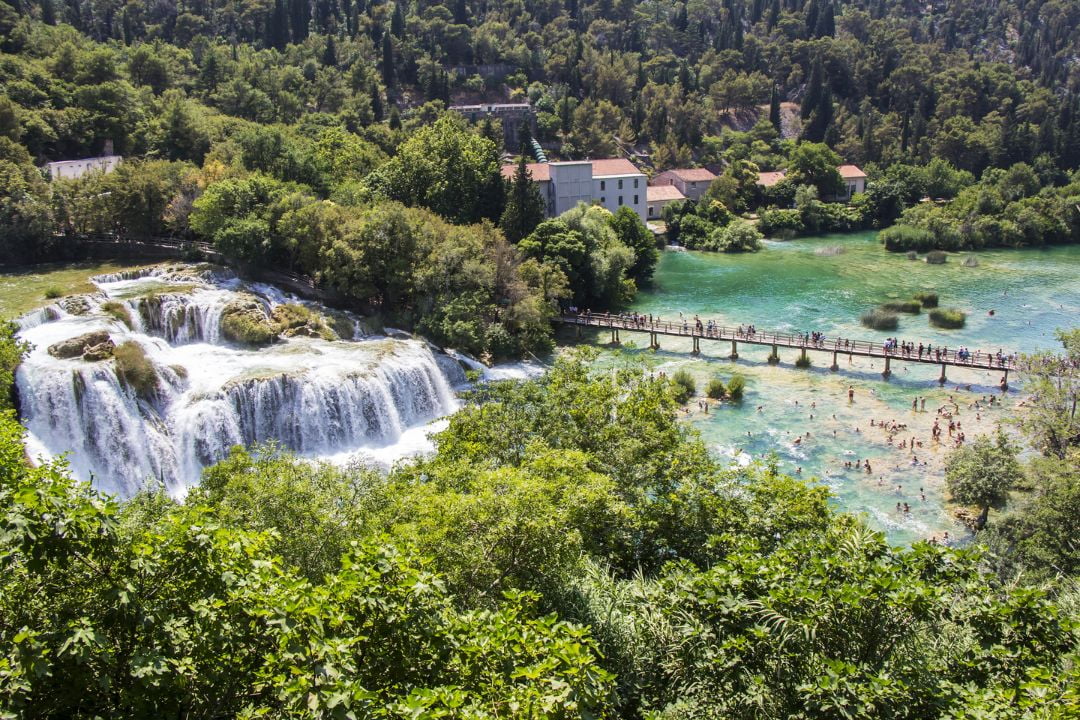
(620,184)
(693,186)
(620,201)
(635,199)
(603,185)
(652,210)
(603,200)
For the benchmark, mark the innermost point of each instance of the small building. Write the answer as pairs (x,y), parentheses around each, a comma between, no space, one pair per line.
(660,196)
(73,169)
(611,183)
(691,182)
(854,182)
(512,115)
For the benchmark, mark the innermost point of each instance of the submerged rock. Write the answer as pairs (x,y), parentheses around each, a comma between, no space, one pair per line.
(101,351)
(75,304)
(76,346)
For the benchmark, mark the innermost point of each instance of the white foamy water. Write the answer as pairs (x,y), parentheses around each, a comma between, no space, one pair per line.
(373,400)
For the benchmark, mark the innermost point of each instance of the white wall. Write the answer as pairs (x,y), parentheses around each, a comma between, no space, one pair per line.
(573,184)
(77,168)
(632,192)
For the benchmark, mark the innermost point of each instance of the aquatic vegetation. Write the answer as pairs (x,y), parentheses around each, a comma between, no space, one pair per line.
(246,322)
(947,318)
(685,385)
(928,299)
(135,369)
(735,387)
(879,320)
(117,310)
(902,306)
(936,257)
(970,261)
(803,362)
(715,390)
(51,293)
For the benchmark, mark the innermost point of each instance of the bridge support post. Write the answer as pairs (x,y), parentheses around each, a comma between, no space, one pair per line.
(834,367)
(697,345)
(774,357)
(1005,381)
(615,336)
(654,341)
(577,329)
(802,357)
(941,379)
(887,371)
(734,350)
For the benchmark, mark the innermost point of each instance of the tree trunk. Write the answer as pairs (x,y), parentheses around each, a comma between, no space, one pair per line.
(982,517)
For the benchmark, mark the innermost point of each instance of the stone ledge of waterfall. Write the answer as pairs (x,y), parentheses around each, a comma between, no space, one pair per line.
(397,334)
(91,346)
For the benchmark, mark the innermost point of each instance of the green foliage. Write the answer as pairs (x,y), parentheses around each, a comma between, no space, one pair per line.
(1053,382)
(715,389)
(879,319)
(12,351)
(982,473)
(927,299)
(912,307)
(735,387)
(739,236)
(118,311)
(947,318)
(524,205)
(803,362)
(936,257)
(135,369)
(684,385)
(51,293)
(633,233)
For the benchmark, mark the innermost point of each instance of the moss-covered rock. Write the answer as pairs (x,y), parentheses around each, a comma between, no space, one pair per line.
(76,346)
(135,369)
(246,321)
(301,321)
(101,351)
(75,304)
(118,311)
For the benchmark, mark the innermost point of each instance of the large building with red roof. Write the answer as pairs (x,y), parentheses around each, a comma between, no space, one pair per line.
(691,182)
(611,183)
(854,181)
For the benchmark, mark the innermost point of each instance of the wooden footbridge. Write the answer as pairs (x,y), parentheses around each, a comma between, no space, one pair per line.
(699,330)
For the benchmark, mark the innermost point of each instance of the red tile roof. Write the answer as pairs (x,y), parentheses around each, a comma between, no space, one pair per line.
(538,171)
(768,179)
(657,193)
(850,172)
(613,166)
(692,174)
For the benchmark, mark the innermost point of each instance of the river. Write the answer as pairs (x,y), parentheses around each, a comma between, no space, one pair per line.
(824,284)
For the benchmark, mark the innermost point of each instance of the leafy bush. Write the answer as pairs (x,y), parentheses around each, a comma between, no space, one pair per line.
(928,299)
(739,236)
(684,384)
(51,293)
(948,319)
(904,238)
(135,370)
(735,387)
(936,257)
(803,361)
(902,306)
(715,389)
(781,223)
(879,320)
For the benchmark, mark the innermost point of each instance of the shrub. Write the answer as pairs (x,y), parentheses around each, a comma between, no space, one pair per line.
(735,387)
(118,311)
(902,306)
(902,238)
(928,299)
(715,389)
(803,361)
(936,257)
(781,223)
(879,320)
(135,370)
(51,293)
(684,384)
(947,318)
(739,236)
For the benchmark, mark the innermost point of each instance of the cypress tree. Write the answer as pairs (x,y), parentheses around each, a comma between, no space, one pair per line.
(377,103)
(48,14)
(814,89)
(774,109)
(329,58)
(524,204)
(397,21)
(826,24)
(388,60)
(395,118)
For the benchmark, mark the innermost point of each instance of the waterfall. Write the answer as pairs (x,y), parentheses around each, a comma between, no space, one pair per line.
(319,398)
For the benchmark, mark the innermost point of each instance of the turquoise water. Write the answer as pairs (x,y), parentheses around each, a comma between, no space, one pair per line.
(824,284)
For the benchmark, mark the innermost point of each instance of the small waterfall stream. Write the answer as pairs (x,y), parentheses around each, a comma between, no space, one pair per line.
(318,397)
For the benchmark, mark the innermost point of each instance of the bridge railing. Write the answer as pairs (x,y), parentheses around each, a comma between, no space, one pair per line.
(687,328)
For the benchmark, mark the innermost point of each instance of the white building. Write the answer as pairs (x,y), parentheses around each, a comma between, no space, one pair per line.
(72,169)
(853,182)
(610,183)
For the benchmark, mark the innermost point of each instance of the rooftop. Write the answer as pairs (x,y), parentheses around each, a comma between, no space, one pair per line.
(663,193)
(692,174)
(600,168)
(850,172)
(540,172)
(768,179)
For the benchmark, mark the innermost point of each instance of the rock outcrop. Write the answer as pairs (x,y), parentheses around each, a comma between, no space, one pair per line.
(92,346)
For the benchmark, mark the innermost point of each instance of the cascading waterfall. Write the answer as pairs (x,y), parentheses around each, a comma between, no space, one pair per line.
(320,398)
